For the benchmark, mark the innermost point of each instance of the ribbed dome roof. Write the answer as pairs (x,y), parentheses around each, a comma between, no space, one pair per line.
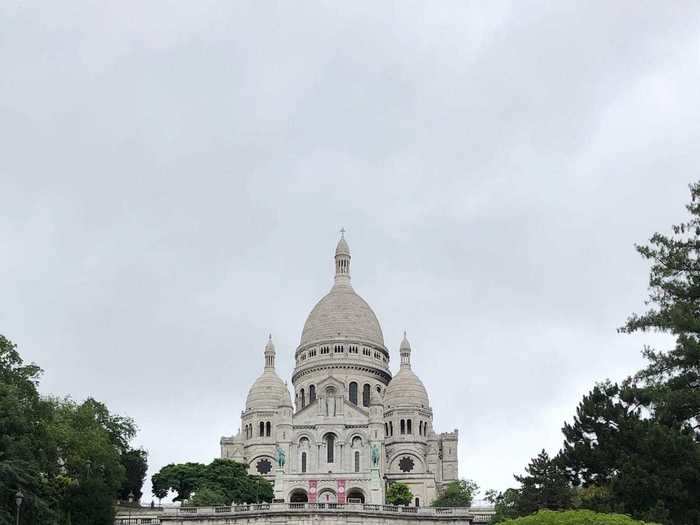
(268,391)
(342,313)
(342,248)
(406,390)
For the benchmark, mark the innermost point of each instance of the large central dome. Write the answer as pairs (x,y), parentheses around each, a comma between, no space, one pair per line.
(342,314)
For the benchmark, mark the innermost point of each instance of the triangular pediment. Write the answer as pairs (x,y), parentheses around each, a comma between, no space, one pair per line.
(330,381)
(312,415)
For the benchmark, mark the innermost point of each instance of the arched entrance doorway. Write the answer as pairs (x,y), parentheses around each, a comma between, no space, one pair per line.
(327,496)
(356,496)
(298,496)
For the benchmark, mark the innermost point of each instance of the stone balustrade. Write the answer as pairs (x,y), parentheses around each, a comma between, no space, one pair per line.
(298,512)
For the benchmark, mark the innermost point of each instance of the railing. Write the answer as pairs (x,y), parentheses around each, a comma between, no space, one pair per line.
(325,507)
(136,521)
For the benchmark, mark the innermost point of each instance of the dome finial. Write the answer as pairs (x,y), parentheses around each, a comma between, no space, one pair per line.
(270,353)
(405,351)
(342,260)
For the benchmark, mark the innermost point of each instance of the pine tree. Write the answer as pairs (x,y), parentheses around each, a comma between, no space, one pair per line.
(671,381)
(545,486)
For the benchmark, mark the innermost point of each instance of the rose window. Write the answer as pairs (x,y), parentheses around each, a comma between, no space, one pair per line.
(264,466)
(406,464)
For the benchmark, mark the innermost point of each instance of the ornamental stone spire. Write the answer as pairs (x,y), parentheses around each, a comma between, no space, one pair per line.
(342,260)
(405,351)
(270,354)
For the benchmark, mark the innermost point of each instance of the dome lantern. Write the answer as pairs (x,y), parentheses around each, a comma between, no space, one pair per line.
(268,391)
(405,351)
(270,354)
(405,390)
(342,260)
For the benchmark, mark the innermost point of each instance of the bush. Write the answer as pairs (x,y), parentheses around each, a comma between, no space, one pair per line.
(573,517)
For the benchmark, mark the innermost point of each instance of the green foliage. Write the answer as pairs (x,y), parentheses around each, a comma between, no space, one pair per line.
(629,464)
(398,494)
(183,478)
(135,463)
(573,517)
(457,494)
(545,486)
(66,457)
(505,504)
(208,496)
(671,381)
(222,477)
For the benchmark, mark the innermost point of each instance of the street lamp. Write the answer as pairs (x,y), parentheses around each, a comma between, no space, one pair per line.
(18,500)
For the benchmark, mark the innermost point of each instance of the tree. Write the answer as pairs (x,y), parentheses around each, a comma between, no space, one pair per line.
(573,517)
(221,477)
(545,486)
(135,463)
(629,464)
(23,438)
(671,381)
(398,494)
(64,456)
(505,504)
(89,470)
(183,478)
(208,496)
(457,494)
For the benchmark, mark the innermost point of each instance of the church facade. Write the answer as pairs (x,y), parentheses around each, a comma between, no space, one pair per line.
(352,427)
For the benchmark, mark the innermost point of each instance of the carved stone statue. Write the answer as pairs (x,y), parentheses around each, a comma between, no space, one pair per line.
(281,457)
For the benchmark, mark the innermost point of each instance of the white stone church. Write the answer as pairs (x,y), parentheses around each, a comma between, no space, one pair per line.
(347,404)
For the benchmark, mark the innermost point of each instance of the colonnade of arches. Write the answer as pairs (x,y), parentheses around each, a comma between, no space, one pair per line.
(406,427)
(264,429)
(308,396)
(330,441)
(327,495)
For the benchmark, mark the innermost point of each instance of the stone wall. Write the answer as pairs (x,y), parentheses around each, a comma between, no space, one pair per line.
(301,514)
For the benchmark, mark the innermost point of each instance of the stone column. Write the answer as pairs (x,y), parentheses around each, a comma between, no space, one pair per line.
(279,484)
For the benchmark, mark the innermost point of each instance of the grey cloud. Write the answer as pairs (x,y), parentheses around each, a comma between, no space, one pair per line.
(174,174)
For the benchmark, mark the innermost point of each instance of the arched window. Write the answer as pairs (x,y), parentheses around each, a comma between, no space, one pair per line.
(262,429)
(267,429)
(312,394)
(303,461)
(386,429)
(330,446)
(365,395)
(357,461)
(391,428)
(353,393)
(303,399)
(409,430)
(403,426)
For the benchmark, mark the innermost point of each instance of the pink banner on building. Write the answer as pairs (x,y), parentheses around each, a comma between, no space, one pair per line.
(313,492)
(341,491)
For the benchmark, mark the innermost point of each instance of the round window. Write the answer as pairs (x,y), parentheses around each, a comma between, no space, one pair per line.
(406,464)
(264,466)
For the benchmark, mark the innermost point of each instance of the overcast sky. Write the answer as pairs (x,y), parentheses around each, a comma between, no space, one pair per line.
(173,176)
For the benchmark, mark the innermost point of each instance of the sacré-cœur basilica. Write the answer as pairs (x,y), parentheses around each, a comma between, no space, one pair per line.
(352,427)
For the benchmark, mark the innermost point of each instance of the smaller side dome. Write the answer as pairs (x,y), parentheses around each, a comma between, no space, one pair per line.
(405,389)
(268,390)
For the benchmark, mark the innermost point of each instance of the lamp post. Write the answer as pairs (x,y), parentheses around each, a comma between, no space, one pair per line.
(18,500)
